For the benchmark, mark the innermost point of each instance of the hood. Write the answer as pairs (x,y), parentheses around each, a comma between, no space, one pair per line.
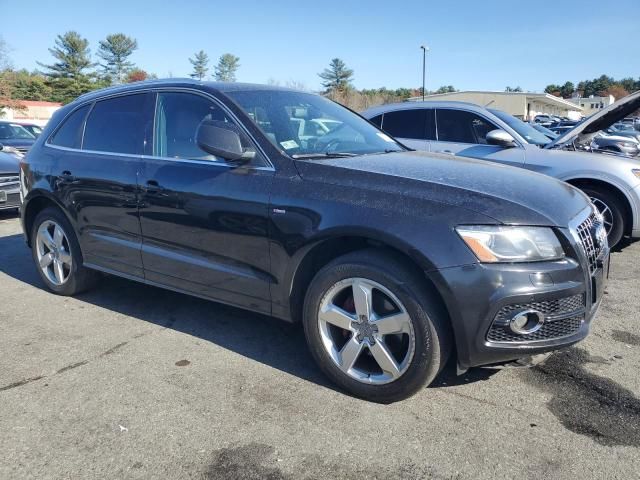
(9,163)
(18,142)
(506,194)
(601,120)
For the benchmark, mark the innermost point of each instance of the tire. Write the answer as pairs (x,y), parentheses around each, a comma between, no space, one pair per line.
(419,353)
(75,277)
(612,209)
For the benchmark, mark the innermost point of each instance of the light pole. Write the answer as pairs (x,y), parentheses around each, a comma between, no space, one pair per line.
(425,49)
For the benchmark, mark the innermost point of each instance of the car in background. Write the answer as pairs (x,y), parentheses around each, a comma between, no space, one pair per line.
(546,120)
(32,128)
(469,130)
(625,130)
(613,143)
(9,181)
(15,138)
(550,134)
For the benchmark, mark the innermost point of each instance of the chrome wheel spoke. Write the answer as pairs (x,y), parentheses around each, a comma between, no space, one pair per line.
(65,257)
(58,236)
(362,298)
(58,270)
(396,323)
(350,353)
(47,239)
(336,316)
(46,260)
(385,360)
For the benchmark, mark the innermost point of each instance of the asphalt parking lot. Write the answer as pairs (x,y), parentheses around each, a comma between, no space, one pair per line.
(130,381)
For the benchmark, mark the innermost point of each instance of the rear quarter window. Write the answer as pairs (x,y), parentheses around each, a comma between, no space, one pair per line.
(69,134)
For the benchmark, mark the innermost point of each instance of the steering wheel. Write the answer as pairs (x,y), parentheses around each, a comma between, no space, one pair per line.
(331,144)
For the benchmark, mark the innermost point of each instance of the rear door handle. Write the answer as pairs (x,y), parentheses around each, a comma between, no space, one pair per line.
(448,152)
(66,177)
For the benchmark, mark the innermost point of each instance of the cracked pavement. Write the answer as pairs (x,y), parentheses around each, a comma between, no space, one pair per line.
(130,381)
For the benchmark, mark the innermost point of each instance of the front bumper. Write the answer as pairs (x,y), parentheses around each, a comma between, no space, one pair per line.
(478,295)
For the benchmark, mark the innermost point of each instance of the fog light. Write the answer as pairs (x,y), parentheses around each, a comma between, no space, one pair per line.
(526,322)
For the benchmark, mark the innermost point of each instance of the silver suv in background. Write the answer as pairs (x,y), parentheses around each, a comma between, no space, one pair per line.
(468,130)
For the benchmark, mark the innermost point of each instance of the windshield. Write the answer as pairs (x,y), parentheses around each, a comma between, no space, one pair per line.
(308,125)
(10,131)
(545,131)
(526,131)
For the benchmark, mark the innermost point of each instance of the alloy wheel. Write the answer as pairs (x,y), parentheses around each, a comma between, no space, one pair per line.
(53,252)
(366,331)
(606,213)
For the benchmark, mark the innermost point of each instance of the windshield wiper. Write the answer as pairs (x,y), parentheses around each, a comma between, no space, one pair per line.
(323,155)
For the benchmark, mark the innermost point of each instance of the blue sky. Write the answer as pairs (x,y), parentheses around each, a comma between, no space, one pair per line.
(474,44)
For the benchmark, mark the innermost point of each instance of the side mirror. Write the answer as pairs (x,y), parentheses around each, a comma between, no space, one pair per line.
(222,139)
(500,138)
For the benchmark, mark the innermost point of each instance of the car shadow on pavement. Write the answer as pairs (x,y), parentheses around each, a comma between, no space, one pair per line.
(259,337)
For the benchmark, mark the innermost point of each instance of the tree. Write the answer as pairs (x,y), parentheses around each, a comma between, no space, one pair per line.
(73,57)
(567,90)
(513,89)
(29,86)
(115,50)
(553,89)
(200,64)
(5,61)
(227,67)
(446,89)
(337,77)
(136,75)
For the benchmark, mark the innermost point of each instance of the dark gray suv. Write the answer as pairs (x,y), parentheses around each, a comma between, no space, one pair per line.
(394,261)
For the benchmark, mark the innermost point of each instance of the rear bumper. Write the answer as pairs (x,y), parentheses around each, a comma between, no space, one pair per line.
(476,294)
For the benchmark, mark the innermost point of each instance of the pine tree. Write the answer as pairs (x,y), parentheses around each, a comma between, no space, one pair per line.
(115,50)
(226,69)
(337,76)
(200,64)
(73,57)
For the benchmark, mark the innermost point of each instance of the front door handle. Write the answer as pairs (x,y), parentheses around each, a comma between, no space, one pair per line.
(153,186)
(448,152)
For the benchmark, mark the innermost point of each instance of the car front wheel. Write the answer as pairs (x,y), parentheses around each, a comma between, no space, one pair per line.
(374,327)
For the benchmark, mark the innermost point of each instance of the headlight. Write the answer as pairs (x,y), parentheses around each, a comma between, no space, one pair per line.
(636,172)
(493,244)
(11,150)
(626,144)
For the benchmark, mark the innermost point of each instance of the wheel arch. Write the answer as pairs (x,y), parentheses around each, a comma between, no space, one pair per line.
(37,201)
(331,245)
(616,190)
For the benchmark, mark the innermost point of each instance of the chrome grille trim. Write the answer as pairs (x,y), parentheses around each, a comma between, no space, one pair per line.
(592,245)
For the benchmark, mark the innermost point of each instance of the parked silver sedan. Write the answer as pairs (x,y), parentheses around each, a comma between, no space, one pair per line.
(465,129)
(9,181)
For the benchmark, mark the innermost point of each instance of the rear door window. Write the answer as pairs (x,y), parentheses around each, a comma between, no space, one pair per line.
(117,125)
(415,124)
(69,134)
(460,126)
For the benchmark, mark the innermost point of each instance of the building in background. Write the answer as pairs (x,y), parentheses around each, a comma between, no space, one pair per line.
(524,105)
(35,112)
(591,105)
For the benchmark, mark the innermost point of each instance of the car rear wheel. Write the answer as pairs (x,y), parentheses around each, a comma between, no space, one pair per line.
(374,327)
(612,212)
(56,254)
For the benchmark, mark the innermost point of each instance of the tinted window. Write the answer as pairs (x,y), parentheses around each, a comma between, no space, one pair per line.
(408,123)
(377,120)
(116,125)
(462,127)
(178,116)
(70,133)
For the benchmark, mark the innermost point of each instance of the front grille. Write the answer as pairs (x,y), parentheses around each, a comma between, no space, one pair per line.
(9,182)
(549,330)
(591,233)
(563,317)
